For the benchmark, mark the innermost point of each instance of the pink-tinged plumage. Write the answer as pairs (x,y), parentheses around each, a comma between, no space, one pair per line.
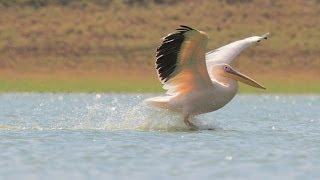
(197,82)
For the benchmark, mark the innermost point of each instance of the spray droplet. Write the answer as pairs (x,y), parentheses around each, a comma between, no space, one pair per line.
(98,96)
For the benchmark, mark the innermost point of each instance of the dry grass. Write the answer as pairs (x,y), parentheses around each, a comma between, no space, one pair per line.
(119,38)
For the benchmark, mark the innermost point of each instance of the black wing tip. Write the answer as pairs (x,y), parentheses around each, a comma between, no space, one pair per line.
(167,52)
(186,27)
(176,35)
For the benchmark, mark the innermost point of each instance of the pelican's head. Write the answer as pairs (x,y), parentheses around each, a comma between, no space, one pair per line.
(227,71)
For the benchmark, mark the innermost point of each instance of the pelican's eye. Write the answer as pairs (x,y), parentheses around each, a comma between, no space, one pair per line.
(226,68)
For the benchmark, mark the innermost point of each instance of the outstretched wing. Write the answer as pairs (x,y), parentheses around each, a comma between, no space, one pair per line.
(227,53)
(180,61)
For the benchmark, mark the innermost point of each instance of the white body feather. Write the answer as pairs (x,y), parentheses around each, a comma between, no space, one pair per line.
(189,92)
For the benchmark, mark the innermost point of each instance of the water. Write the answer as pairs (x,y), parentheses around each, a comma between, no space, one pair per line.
(117,136)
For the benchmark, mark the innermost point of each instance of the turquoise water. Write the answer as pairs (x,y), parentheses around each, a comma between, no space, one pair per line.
(117,136)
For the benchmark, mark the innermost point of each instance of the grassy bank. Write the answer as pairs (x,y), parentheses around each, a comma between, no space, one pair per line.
(77,85)
(128,86)
(76,81)
(284,87)
(79,81)
(94,45)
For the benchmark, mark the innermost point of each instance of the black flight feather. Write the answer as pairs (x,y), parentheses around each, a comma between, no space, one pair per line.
(167,53)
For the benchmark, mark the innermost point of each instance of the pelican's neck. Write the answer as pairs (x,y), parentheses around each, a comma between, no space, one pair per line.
(227,83)
(224,90)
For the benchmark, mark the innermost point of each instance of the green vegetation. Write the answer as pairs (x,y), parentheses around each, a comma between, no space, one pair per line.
(77,85)
(139,86)
(79,81)
(115,37)
(281,87)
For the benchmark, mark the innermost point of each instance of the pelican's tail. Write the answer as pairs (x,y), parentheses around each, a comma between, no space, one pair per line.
(161,102)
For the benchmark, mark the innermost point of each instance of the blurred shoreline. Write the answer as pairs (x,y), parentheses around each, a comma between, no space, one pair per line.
(109,42)
(136,81)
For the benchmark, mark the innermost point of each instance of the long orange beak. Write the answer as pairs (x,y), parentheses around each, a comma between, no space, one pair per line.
(243,78)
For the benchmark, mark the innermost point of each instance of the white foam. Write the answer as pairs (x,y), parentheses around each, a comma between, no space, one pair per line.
(148,118)
(145,117)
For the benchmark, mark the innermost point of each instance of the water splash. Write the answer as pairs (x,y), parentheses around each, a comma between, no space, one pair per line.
(90,112)
(145,117)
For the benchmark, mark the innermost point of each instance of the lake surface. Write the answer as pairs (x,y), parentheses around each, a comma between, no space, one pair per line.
(117,136)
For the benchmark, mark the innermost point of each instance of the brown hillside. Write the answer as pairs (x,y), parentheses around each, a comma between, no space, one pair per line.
(124,35)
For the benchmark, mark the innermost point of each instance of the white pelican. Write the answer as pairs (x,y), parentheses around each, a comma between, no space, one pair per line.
(198,82)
